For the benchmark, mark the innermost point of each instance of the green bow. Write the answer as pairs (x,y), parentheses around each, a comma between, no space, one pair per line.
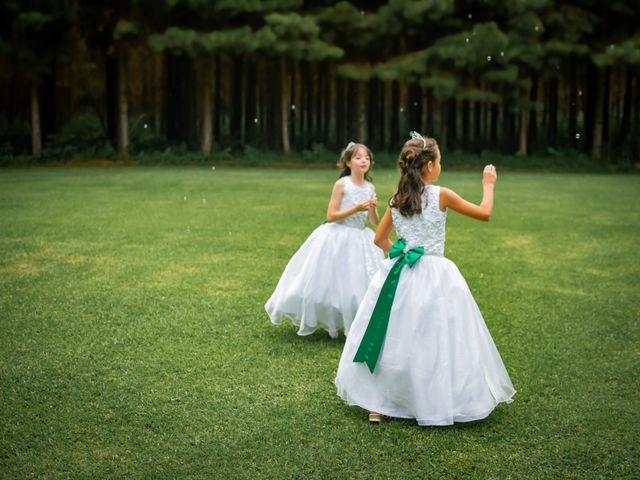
(373,338)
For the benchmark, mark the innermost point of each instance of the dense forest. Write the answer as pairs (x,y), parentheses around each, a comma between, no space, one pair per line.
(517,77)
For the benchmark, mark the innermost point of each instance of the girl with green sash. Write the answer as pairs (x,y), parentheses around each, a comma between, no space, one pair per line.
(418,346)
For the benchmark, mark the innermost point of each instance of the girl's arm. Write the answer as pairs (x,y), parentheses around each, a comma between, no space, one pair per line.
(374,219)
(373,210)
(450,199)
(333,211)
(383,232)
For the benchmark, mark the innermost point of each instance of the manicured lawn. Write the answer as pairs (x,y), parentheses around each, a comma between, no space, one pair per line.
(134,344)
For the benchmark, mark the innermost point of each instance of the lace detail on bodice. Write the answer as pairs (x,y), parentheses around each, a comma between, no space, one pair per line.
(426,228)
(353,195)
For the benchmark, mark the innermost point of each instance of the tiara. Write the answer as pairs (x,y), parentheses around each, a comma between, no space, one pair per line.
(349,145)
(415,135)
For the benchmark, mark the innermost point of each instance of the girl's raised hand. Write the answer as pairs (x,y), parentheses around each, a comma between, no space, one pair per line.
(489,175)
(373,202)
(363,206)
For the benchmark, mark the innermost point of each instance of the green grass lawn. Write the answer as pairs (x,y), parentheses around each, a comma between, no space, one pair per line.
(134,343)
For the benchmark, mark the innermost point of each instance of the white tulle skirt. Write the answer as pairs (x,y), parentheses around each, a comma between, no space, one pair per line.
(325,280)
(438,363)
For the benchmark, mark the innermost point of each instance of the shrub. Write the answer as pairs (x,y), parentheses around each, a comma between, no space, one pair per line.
(82,137)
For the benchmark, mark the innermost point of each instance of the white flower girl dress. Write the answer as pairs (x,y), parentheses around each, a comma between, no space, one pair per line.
(325,280)
(438,362)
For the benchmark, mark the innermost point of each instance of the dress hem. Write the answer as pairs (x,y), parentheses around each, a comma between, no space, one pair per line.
(422,422)
(307,329)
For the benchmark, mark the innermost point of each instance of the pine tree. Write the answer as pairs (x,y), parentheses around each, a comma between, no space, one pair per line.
(31,42)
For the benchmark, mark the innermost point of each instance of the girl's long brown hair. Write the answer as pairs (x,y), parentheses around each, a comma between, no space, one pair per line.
(415,154)
(346,155)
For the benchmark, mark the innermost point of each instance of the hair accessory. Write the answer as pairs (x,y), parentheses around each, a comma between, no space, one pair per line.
(349,145)
(415,135)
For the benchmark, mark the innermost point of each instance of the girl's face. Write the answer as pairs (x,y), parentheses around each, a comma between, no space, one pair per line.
(432,169)
(360,161)
(436,166)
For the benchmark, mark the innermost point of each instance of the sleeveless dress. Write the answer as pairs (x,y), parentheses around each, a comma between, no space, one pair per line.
(438,362)
(325,280)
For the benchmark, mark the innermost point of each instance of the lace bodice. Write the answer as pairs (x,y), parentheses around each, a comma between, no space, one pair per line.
(426,228)
(353,195)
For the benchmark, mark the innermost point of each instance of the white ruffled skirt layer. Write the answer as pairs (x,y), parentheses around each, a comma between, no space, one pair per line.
(438,363)
(325,280)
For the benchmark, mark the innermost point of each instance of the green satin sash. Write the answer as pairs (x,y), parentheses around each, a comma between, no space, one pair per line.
(373,338)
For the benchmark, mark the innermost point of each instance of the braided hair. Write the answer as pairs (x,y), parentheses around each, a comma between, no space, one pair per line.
(415,154)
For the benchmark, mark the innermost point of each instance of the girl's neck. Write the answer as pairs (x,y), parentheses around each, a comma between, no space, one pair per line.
(357,178)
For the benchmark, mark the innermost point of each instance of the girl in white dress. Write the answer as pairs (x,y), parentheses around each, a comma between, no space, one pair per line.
(419,347)
(325,280)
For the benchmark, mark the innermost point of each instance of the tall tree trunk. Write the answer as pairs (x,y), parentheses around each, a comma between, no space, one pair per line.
(331,135)
(552,112)
(310,107)
(635,125)
(508,129)
(522,142)
(274,106)
(36,137)
(207,113)
(295,103)
(573,107)
(123,104)
(244,86)
(598,116)
(258,109)
(372,111)
(285,103)
(341,112)
(477,123)
(466,123)
(235,113)
(395,114)
(299,103)
(307,109)
(377,115)
(217,97)
(352,111)
(414,107)
(591,99)
(424,120)
(524,112)
(493,127)
(250,108)
(387,112)
(452,119)
(606,99)
(111,97)
(430,125)
(445,111)
(316,97)
(403,100)
(533,109)
(484,130)
(160,86)
(326,102)
(224,94)
(361,88)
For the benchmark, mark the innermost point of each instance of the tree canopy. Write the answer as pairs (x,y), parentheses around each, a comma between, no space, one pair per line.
(495,74)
